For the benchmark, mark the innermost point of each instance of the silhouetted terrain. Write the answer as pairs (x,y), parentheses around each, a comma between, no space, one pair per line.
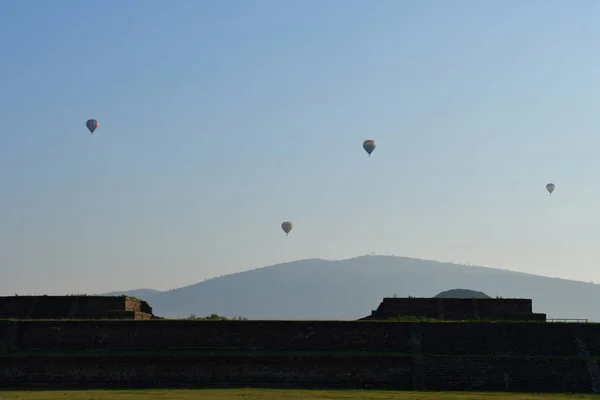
(461,294)
(350,289)
(139,293)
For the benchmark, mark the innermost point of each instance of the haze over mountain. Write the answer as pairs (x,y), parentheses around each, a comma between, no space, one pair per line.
(139,293)
(461,294)
(350,289)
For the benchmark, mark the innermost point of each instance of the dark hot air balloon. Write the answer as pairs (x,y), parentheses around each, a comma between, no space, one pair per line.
(287,227)
(369,146)
(92,125)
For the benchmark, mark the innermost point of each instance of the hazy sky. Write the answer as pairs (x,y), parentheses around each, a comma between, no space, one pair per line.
(221,119)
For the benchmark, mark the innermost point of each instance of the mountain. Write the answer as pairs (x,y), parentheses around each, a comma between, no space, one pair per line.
(350,289)
(461,294)
(139,293)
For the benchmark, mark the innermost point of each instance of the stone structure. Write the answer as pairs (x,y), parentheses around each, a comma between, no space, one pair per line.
(76,351)
(456,309)
(434,338)
(518,356)
(373,372)
(74,307)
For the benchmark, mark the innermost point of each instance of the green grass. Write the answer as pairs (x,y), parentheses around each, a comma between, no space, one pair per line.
(265,394)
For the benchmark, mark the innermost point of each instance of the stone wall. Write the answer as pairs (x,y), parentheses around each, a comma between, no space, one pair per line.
(73,307)
(395,355)
(129,315)
(401,373)
(464,338)
(456,309)
(204,371)
(535,374)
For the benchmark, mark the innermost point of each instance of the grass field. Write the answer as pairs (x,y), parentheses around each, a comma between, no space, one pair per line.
(260,394)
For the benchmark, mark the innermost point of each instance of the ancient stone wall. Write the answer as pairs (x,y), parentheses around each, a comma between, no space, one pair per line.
(200,371)
(525,356)
(531,374)
(73,307)
(434,373)
(457,309)
(156,334)
(129,315)
(464,338)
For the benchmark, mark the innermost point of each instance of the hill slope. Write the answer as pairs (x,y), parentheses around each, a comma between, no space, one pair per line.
(139,293)
(461,294)
(350,289)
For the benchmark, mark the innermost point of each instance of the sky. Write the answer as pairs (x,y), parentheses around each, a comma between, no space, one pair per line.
(219,120)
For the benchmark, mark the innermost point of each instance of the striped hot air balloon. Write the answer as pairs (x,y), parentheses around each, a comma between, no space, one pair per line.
(92,125)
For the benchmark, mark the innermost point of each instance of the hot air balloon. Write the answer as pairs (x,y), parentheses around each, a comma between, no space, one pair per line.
(550,188)
(92,125)
(287,227)
(369,146)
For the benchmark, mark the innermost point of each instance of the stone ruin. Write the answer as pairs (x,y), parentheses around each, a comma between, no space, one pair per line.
(74,307)
(456,309)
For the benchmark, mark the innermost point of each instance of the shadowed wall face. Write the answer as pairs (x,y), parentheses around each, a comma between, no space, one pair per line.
(457,309)
(74,307)
(400,373)
(435,338)
(395,355)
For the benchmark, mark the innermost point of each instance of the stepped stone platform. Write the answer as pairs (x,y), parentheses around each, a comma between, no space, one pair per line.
(74,307)
(513,356)
(456,309)
(485,355)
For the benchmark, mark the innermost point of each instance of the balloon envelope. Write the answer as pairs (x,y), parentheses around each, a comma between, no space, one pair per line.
(550,188)
(92,125)
(369,146)
(287,227)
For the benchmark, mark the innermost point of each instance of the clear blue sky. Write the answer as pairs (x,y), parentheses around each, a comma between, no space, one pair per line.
(221,119)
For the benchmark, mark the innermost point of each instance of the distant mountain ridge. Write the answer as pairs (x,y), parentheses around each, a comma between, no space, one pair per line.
(461,294)
(139,293)
(349,289)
